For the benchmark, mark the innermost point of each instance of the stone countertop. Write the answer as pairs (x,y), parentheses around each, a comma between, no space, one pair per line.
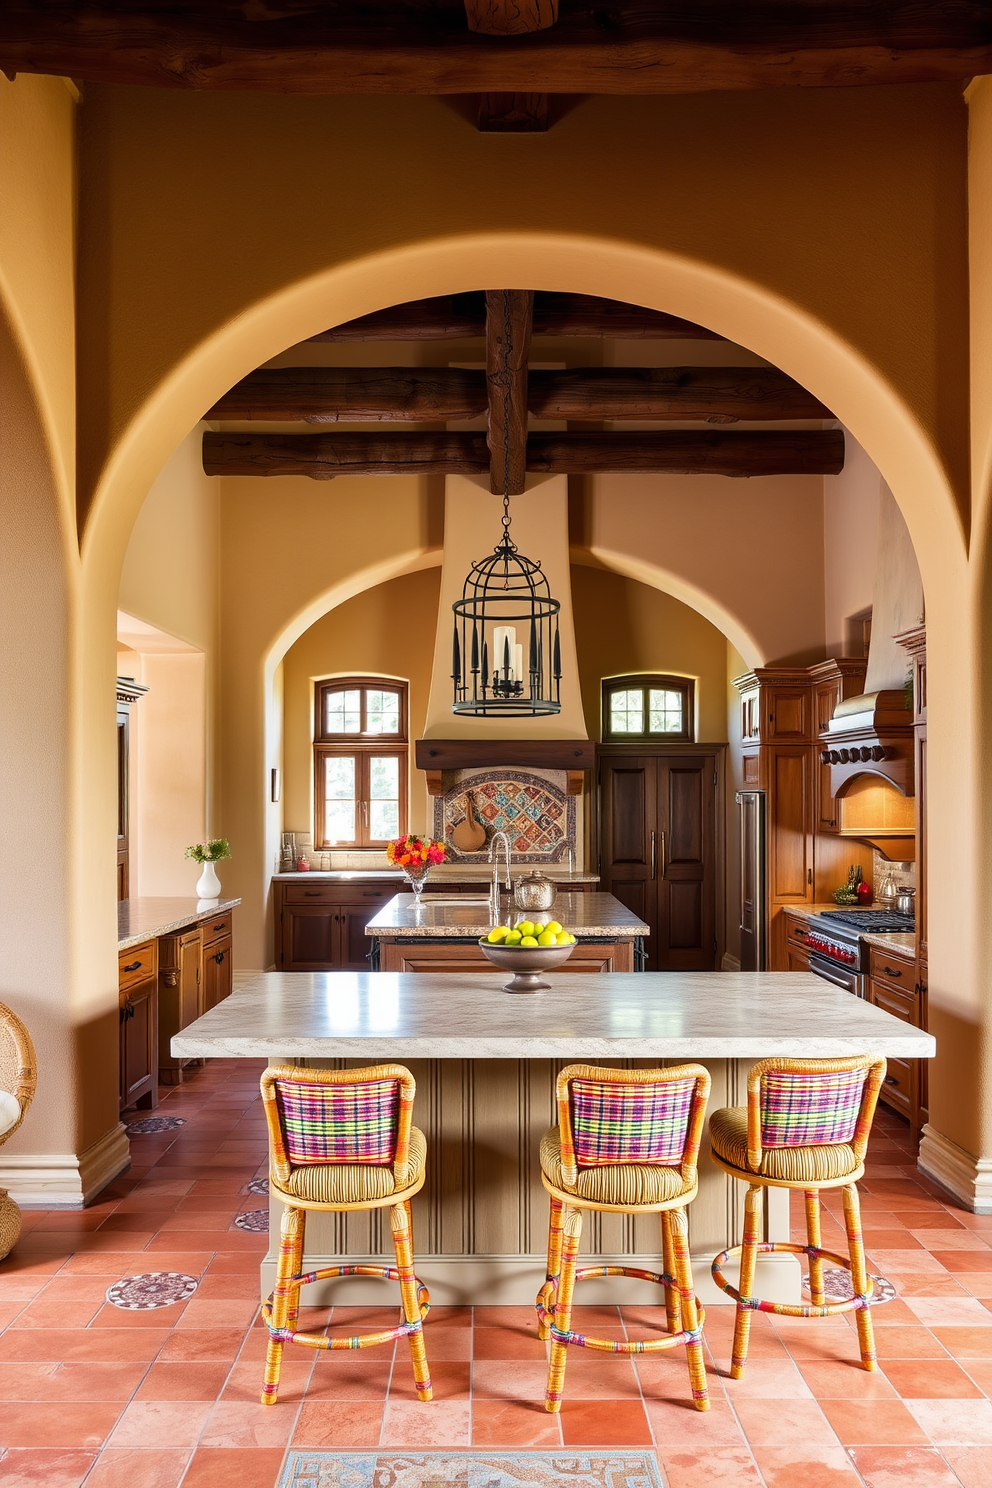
(379,1016)
(584,914)
(144,919)
(445,873)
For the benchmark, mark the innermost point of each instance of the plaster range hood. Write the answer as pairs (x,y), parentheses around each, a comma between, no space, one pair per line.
(872,734)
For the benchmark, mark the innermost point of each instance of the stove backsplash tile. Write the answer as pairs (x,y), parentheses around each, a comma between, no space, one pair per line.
(530,806)
(904,874)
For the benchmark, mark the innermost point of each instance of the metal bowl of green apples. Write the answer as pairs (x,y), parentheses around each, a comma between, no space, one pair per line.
(528,949)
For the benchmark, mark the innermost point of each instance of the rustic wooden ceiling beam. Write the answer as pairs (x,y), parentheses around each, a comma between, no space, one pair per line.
(461,316)
(326,395)
(709,452)
(508,320)
(717,394)
(510,17)
(513,113)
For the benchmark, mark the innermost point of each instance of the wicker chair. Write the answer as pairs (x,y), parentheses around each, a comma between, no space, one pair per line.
(627,1142)
(342,1140)
(806,1125)
(18,1079)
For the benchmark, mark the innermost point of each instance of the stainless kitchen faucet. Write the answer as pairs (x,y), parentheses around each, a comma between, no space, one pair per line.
(494,840)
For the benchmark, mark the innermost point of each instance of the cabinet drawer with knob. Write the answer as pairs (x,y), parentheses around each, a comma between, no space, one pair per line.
(215,928)
(136,965)
(896,971)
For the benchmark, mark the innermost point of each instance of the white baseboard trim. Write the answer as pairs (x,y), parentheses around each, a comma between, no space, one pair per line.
(513,1280)
(64,1180)
(967,1178)
(730,963)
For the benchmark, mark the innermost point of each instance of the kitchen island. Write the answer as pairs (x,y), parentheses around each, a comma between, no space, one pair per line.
(485,1064)
(440,935)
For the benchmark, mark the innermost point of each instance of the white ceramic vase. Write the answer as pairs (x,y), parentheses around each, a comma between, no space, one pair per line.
(208,884)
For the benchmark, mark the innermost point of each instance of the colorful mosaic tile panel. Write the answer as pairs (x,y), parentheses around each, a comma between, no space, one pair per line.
(536,815)
(602,1469)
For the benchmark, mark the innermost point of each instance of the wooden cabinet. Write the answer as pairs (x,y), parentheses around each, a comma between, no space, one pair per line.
(218,972)
(796,933)
(894,987)
(180,995)
(320,926)
(137,980)
(462,956)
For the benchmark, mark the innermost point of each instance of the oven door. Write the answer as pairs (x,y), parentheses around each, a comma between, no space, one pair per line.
(841,976)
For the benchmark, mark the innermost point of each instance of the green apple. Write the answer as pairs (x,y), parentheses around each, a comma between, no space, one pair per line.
(529,940)
(547,937)
(525,927)
(514,938)
(498,933)
(554,927)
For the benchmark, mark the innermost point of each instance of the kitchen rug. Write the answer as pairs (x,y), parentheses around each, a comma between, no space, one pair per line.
(392,1469)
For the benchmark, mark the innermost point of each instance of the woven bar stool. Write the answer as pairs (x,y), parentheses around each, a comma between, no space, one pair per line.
(627,1142)
(342,1140)
(806,1125)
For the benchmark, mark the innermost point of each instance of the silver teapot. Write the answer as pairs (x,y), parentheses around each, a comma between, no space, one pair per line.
(534,891)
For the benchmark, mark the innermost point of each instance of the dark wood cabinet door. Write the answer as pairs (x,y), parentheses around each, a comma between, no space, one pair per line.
(309,937)
(629,837)
(790,808)
(139,1047)
(217,973)
(353,944)
(686,864)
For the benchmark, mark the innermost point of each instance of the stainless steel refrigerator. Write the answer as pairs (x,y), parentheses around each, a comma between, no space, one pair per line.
(754,880)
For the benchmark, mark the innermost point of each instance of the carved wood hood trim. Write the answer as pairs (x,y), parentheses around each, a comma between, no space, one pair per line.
(574,756)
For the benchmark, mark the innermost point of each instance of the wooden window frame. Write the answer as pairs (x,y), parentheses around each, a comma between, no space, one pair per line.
(645,680)
(362,746)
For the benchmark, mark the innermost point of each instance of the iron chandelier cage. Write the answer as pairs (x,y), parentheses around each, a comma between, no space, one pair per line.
(506,589)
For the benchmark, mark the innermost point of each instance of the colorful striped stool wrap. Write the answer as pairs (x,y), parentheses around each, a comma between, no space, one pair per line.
(623,1124)
(819,1111)
(358,1121)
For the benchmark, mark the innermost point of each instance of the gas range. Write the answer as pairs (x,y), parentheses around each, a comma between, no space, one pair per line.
(836,933)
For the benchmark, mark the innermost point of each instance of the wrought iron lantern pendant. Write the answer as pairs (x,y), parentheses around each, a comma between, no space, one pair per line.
(506,595)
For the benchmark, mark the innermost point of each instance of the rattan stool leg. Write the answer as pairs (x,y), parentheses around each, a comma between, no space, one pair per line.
(283,1297)
(554,1259)
(859,1272)
(812,1197)
(293,1311)
(400,1222)
(672,1305)
(571,1235)
(679,1227)
(749,1258)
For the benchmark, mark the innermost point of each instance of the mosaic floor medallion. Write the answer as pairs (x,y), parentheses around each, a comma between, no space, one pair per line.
(256,1220)
(555,1469)
(154,1124)
(152,1289)
(838,1287)
(259,1186)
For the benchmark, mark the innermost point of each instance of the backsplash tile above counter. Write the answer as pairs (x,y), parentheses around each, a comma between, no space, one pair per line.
(530,806)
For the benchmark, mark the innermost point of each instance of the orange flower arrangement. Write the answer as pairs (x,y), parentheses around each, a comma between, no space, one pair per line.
(415,852)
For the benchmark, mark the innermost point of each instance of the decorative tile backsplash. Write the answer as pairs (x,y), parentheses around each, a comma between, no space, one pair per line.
(530,806)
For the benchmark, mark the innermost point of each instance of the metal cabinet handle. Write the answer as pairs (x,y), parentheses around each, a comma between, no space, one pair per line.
(891,971)
(221,925)
(220,956)
(133,967)
(891,1080)
(663,857)
(307,894)
(654,855)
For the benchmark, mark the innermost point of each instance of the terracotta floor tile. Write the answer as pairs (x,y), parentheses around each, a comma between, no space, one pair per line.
(230,1312)
(771,1378)
(350,1379)
(957,1238)
(873,1423)
(832,1379)
(184,1381)
(161,1423)
(906,1341)
(493,1379)
(903,1467)
(74,1382)
(245,1423)
(803,1467)
(110,1316)
(60,1424)
(514,1317)
(966,1343)
(221,1286)
(139,1467)
(353,1423)
(58,1312)
(781,1423)
(934,1284)
(964,1423)
(244,1381)
(444,1423)
(949,1312)
(514,1423)
(980,1370)
(32,1345)
(728,1467)
(215,1467)
(678,1425)
(604,1423)
(39,1467)
(930,1379)
(447,1343)
(961,1261)
(915,1262)
(201,1344)
(978,1283)
(501,1343)
(973,1465)
(885,1240)
(449,1378)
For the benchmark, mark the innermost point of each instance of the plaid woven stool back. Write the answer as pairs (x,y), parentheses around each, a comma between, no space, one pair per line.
(810,1108)
(614,1123)
(338,1123)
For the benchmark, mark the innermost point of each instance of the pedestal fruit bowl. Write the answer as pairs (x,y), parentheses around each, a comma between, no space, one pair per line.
(527,962)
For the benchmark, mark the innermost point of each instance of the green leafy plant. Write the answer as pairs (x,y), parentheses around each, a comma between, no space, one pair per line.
(211,851)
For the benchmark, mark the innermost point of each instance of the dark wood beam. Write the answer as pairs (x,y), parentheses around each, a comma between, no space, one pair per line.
(717,394)
(326,395)
(508,320)
(461,316)
(426,47)
(323,456)
(710,453)
(470,754)
(513,113)
(510,17)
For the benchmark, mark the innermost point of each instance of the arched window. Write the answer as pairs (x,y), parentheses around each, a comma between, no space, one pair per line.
(360,761)
(651,707)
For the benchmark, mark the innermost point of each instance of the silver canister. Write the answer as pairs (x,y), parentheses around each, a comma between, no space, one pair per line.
(534,891)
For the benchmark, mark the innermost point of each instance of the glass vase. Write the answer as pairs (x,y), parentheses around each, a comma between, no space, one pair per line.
(416,878)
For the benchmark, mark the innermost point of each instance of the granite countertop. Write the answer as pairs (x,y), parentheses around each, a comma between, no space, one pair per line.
(376,1016)
(584,914)
(144,919)
(445,873)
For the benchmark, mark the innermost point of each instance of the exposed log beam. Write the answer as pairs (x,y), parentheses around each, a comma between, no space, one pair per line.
(711,453)
(510,17)
(513,113)
(323,456)
(508,320)
(326,395)
(717,394)
(426,47)
(454,317)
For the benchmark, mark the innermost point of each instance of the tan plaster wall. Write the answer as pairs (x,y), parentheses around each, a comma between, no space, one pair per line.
(850,537)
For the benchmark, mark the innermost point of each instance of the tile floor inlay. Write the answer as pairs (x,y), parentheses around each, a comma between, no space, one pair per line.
(152,1289)
(838,1287)
(149,1124)
(258,1186)
(255,1220)
(470,1470)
